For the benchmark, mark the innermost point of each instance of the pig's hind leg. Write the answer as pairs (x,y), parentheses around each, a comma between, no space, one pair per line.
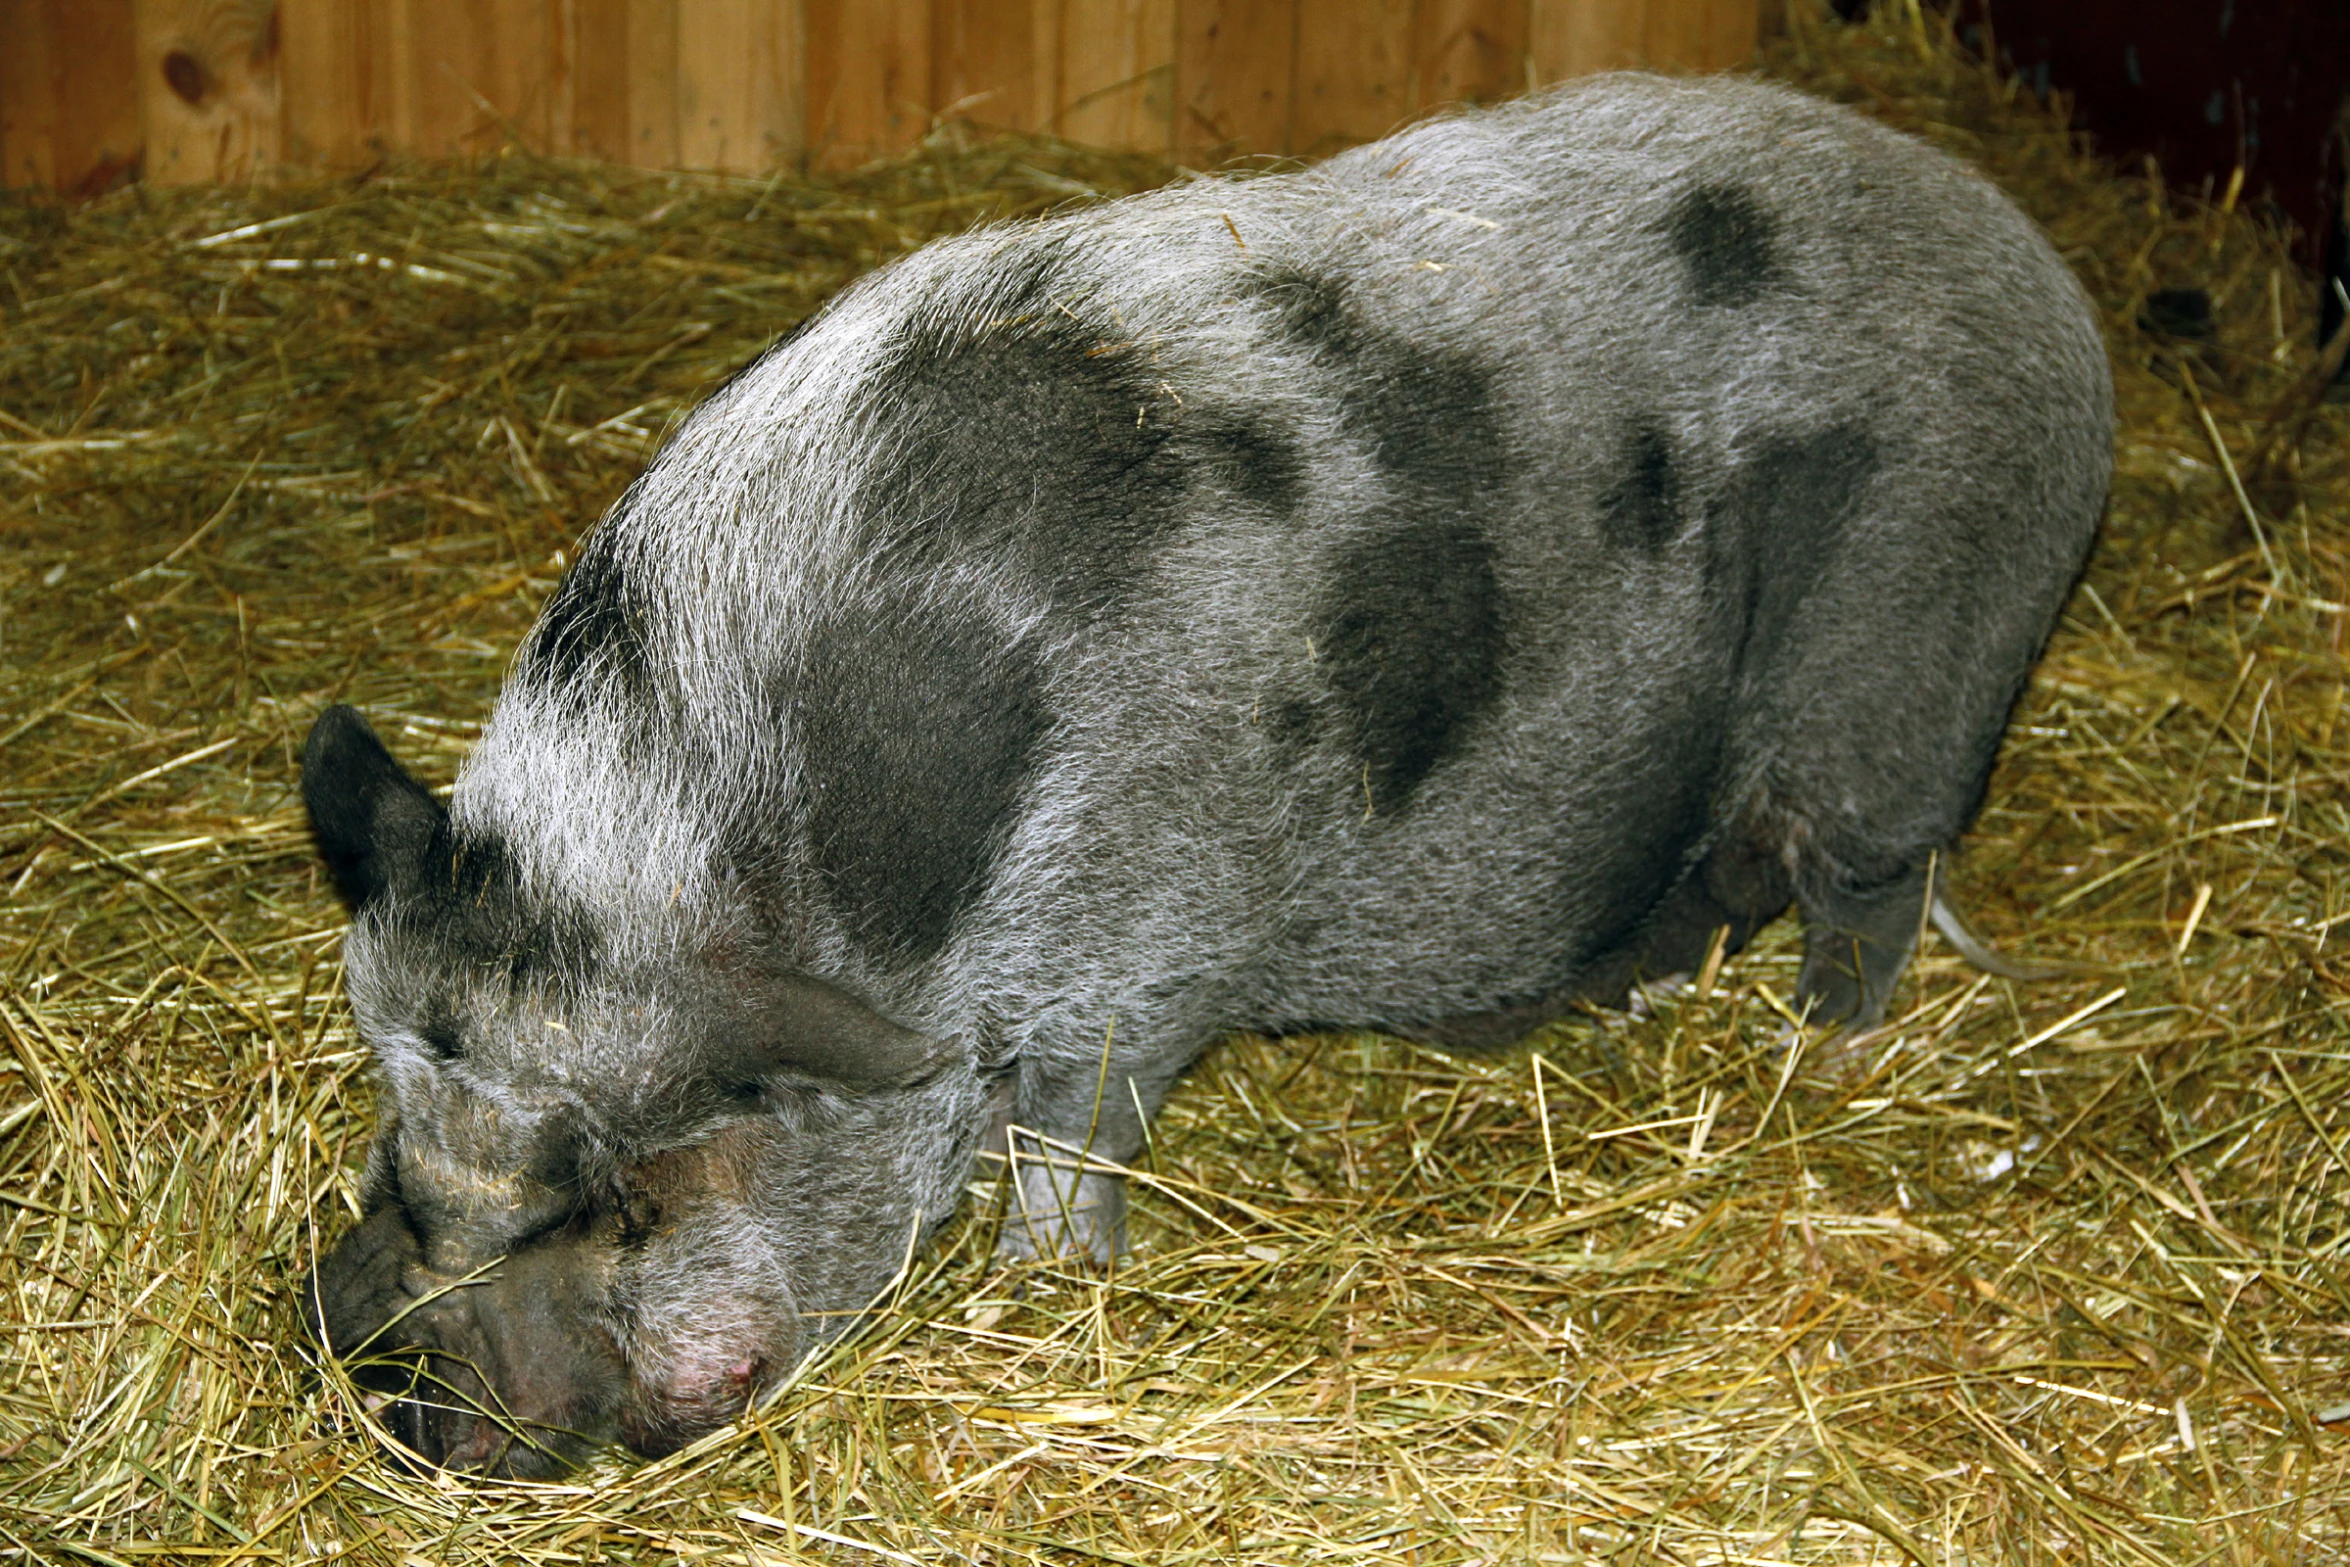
(1855,945)
(1859,860)
(1890,619)
(1874,750)
(1853,956)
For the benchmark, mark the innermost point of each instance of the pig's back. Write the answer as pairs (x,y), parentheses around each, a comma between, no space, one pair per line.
(1349,595)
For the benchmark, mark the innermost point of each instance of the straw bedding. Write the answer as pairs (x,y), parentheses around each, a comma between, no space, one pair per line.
(2059,1276)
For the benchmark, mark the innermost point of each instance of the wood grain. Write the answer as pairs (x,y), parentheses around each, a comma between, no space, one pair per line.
(869,78)
(1468,51)
(207,79)
(739,69)
(1732,30)
(434,60)
(331,84)
(479,74)
(1576,37)
(1568,38)
(650,72)
(69,107)
(592,117)
(1235,78)
(224,89)
(1353,78)
(1116,77)
(987,66)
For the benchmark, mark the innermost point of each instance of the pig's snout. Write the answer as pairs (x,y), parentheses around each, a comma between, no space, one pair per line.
(507,1371)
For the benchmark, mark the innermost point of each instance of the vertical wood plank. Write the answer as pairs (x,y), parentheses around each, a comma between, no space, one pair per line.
(1235,77)
(207,81)
(1467,51)
(69,108)
(1699,35)
(30,104)
(1569,38)
(651,29)
(1116,74)
(869,77)
(1732,34)
(738,95)
(1576,37)
(322,87)
(430,45)
(741,84)
(388,37)
(1048,76)
(1354,73)
(470,76)
(592,120)
(1666,32)
(985,62)
(527,75)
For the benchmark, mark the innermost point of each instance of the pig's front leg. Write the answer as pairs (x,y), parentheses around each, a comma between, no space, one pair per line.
(1065,1119)
(1060,1209)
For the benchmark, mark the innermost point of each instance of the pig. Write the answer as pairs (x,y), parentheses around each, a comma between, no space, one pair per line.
(1421,592)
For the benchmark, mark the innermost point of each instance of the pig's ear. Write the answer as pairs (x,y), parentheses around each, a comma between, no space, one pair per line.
(812,1027)
(374,823)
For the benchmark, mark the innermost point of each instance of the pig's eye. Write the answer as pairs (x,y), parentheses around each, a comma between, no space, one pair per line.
(542,1232)
(744,1091)
(440,1037)
(635,1210)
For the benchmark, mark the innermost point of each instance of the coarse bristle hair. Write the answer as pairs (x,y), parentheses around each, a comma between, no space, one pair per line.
(2058,1275)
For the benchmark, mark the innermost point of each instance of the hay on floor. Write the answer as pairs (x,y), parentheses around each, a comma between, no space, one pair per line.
(2061,1278)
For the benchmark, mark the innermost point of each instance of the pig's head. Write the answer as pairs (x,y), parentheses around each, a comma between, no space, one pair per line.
(620,1185)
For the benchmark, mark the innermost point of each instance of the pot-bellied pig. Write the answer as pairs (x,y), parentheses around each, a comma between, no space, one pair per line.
(1412,593)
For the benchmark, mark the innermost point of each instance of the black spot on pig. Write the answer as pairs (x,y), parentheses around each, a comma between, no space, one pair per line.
(1727,242)
(1642,509)
(1037,437)
(1795,501)
(1427,413)
(440,1035)
(1413,639)
(917,725)
(1255,462)
(1310,311)
(471,905)
(1413,649)
(1431,423)
(592,623)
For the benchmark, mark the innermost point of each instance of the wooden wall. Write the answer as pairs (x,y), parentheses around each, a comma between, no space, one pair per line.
(69,111)
(199,90)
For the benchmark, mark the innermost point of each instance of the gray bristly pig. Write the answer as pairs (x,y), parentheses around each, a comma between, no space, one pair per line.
(1415,593)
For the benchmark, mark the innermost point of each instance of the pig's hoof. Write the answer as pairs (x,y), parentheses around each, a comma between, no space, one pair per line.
(1057,1213)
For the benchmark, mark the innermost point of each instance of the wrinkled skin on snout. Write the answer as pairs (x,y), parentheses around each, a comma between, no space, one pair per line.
(615,1194)
(512,1371)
